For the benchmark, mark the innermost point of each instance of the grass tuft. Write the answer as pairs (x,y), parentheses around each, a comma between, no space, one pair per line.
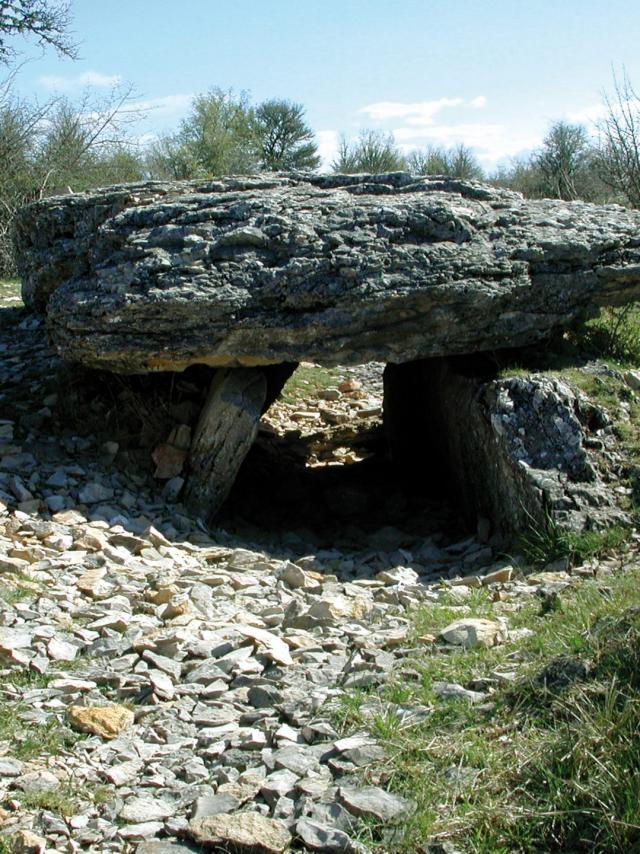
(541,545)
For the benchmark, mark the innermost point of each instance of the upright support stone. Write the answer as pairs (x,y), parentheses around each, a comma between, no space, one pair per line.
(226,430)
(512,450)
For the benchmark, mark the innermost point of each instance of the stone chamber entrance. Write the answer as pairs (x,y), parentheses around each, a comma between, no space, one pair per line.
(321,469)
(439,449)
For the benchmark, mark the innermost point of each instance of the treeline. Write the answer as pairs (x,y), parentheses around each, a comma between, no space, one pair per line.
(65,146)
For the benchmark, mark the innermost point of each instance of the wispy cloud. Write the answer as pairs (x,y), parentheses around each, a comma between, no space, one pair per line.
(80,81)
(419,124)
(166,104)
(591,113)
(327,146)
(417,112)
(490,142)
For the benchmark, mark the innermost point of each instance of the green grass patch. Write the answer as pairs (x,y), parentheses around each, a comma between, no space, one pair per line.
(30,740)
(306,381)
(541,545)
(615,334)
(549,766)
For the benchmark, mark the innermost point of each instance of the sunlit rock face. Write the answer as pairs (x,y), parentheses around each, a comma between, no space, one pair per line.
(266,269)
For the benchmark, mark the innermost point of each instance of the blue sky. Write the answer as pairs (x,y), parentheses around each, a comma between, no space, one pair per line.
(492,74)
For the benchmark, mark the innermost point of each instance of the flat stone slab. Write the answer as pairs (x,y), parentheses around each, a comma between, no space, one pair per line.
(332,269)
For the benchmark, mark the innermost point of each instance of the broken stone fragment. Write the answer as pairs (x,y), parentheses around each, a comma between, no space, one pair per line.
(472,632)
(138,810)
(373,802)
(243,833)
(322,837)
(104,721)
(453,691)
(170,456)
(27,842)
(498,576)
(268,644)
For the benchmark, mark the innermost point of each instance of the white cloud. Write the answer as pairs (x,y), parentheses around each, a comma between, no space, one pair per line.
(490,142)
(166,105)
(588,114)
(80,81)
(417,112)
(327,146)
(420,124)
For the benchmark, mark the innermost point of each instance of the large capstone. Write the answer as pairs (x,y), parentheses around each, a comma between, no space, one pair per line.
(332,269)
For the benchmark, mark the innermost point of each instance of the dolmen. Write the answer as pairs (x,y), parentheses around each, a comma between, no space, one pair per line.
(252,275)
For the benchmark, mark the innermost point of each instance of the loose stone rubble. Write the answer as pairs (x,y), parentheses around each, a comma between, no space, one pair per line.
(166,685)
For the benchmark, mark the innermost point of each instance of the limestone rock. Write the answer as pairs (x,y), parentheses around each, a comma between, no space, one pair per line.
(138,810)
(373,802)
(105,721)
(333,269)
(244,833)
(27,842)
(522,456)
(473,632)
(320,837)
(268,644)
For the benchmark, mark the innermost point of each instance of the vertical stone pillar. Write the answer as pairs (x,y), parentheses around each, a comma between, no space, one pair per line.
(226,430)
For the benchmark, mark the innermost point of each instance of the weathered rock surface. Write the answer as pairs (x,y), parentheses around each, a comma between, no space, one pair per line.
(244,833)
(332,269)
(105,721)
(474,632)
(516,450)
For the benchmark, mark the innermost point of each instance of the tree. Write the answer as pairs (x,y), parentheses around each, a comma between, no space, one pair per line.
(619,149)
(462,163)
(562,159)
(61,145)
(168,157)
(48,22)
(86,145)
(457,162)
(283,140)
(374,152)
(428,161)
(216,138)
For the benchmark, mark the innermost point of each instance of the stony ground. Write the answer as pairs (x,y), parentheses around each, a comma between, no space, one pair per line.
(165,686)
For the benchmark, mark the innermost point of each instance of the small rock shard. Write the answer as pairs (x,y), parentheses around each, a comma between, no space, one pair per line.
(373,802)
(243,833)
(268,644)
(473,632)
(104,721)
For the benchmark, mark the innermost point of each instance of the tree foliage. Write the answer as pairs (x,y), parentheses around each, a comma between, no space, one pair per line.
(457,162)
(225,135)
(561,160)
(283,139)
(59,147)
(374,152)
(619,149)
(45,21)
